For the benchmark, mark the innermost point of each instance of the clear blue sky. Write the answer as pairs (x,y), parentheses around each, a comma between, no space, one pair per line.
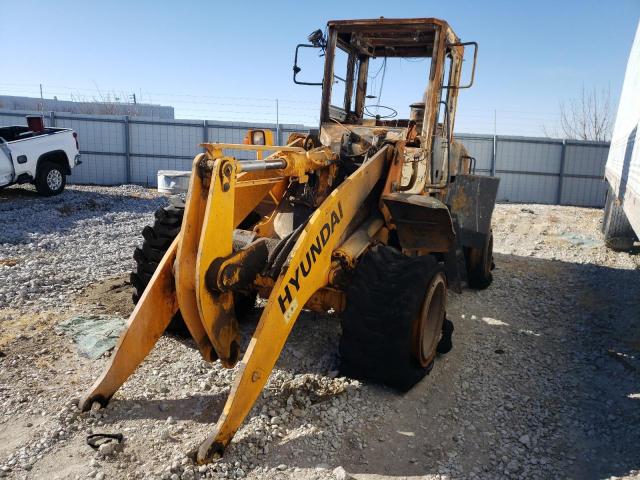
(230,60)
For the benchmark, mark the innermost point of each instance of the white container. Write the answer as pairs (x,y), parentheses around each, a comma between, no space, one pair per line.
(173,181)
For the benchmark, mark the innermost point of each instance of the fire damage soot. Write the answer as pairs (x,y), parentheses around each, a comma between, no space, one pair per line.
(287,301)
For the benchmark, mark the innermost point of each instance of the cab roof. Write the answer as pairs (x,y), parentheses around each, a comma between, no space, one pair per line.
(391,37)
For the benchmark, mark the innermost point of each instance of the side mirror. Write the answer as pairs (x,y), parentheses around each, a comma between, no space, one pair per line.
(473,68)
(317,40)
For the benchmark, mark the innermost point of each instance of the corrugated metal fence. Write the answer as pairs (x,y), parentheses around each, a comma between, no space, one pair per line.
(117,149)
(542,170)
(122,149)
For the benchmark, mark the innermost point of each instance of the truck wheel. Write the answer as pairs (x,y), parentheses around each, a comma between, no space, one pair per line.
(393,323)
(50,179)
(618,233)
(479,263)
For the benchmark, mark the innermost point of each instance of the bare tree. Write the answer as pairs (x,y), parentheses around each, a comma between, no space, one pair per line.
(587,117)
(104,104)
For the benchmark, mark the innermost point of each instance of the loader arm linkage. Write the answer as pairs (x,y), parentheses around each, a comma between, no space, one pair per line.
(221,193)
(367,205)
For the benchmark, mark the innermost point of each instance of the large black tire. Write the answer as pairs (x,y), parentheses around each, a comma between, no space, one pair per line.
(618,233)
(50,179)
(380,324)
(157,240)
(479,262)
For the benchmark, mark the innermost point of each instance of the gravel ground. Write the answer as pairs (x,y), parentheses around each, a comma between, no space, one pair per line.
(543,381)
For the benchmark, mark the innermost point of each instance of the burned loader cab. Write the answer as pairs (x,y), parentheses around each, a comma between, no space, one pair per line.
(369,65)
(425,57)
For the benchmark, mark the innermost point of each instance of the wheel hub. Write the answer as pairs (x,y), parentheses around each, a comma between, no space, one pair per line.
(428,327)
(54,180)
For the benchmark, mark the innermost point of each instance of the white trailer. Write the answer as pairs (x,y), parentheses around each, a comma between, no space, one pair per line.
(621,222)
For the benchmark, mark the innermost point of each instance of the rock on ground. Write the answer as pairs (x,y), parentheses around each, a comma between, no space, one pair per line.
(542,381)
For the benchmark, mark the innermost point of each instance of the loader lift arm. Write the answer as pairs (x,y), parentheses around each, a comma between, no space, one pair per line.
(210,320)
(359,208)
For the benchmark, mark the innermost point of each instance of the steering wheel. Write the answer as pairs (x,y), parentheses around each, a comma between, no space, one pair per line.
(392,112)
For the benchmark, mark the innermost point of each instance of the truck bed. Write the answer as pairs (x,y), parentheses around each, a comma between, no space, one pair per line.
(17,132)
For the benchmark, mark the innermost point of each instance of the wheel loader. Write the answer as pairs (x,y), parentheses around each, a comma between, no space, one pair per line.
(370,216)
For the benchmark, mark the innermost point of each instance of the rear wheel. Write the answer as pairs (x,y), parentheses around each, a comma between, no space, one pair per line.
(392,326)
(479,263)
(50,179)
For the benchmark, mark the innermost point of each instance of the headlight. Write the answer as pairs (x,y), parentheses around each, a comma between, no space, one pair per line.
(257,137)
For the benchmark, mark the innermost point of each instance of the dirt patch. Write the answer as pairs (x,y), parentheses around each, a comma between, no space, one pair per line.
(17,431)
(110,296)
(15,324)
(71,461)
(90,205)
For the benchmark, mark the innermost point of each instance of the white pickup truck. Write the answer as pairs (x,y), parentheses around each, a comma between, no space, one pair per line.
(39,155)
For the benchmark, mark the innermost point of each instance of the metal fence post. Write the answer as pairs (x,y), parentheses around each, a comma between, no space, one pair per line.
(561,173)
(205,131)
(127,149)
(278,139)
(493,155)
(52,118)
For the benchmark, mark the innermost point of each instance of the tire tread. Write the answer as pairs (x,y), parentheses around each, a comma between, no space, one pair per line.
(383,301)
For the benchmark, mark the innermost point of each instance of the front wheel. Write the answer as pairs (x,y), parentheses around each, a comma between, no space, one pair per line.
(50,179)
(157,240)
(392,326)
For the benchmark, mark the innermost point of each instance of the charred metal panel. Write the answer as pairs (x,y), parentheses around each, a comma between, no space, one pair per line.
(422,222)
(382,37)
(471,199)
(454,263)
